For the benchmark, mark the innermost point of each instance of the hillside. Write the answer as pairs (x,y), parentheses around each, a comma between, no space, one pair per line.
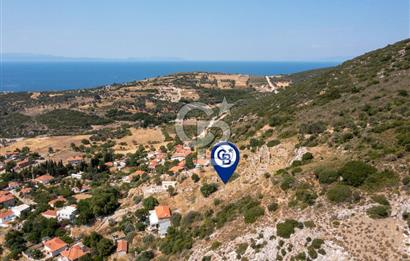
(324,171)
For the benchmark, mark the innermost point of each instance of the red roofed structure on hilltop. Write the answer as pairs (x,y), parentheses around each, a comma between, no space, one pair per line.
(54,247)
(6,216)
(44,179)
(163,212)
(7,200)
(122,246)
(50,214)
(74,253)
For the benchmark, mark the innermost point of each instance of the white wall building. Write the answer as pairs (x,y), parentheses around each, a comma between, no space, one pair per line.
(66,213)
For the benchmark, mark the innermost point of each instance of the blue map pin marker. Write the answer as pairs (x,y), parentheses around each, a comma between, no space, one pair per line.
(225,159)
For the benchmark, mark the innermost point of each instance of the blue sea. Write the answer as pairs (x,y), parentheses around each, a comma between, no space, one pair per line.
(53,76)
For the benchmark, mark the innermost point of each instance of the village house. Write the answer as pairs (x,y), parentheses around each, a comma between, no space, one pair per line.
(66,213)
(167,184)
(78,175)
(54,247)
(49,214)
(120,164)
(181,152)
(82,189)
(74,253)
(44,179)
(160,219)
(200,163)
(13,185)
(75,160)
(6,217)
(20,209)
(7,200)
(22,164)
(129,178)
(122,247)
(53,202)
(25,191)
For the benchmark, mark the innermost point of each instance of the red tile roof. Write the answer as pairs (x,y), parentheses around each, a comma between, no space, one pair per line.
(122,246)
(6,213)
(49,213)
(6,198)
(44,178)
(163,212)
(55,244)
(74,253)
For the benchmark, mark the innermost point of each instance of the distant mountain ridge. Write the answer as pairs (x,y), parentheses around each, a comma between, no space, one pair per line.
(29,57)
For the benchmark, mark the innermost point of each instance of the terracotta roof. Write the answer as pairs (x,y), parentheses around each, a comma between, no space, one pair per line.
(25,190)
(55,244)
(59,198)
(49,213)
(6,198)
(175,169)
(122,246)
(3,193)
(6,213)
(139,172)
(74,253)
(163,212)
(109,164)
(44,178)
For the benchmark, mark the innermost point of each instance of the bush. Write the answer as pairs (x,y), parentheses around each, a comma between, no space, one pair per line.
(317,243)
(273,143)
(326,176)
(378,212)
(252,214)
(287,228)
(195,177)
(273,206)
(354,173)
(339,193)
(150,203)
(313,128)
(381,199)
(307,156)
(381,180)
(208,189)
(287,182)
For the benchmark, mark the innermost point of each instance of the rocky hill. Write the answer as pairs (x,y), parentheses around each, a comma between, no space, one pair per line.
(324,174)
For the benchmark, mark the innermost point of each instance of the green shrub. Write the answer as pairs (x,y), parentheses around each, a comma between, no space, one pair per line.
(150,203)
(252,214)
(326,176)
(381,199)
(382,180)
(208,189)
(273,143)
(339,193)
(378,212)
(317,243)
(354,173)
(287,182)
(273,206)
(307,156)
(287,228)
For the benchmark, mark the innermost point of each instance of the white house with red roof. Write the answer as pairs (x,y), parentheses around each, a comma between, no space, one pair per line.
(6,217)
(74,253)
(44,179)
(54,247)
(160,219)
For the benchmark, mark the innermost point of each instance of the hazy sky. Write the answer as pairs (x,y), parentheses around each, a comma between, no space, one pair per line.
(202,29)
